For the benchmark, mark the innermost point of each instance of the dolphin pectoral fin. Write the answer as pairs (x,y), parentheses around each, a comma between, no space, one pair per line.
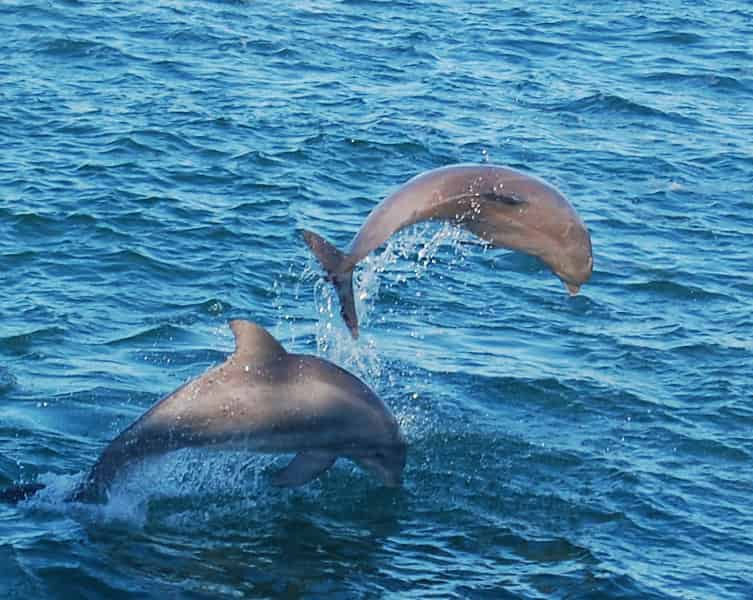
(304,467)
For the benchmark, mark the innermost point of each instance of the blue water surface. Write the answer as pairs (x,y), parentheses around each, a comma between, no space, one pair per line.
(158,162)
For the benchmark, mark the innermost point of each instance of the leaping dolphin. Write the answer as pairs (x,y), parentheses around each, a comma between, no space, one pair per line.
(264,399)
(502,206)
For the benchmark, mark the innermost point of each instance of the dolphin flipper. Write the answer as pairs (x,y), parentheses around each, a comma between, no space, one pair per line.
(304,467)
(340,272)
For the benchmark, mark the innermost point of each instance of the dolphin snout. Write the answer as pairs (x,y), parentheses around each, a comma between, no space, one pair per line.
(575,275)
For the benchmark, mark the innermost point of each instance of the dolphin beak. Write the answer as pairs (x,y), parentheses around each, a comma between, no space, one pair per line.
(572,288)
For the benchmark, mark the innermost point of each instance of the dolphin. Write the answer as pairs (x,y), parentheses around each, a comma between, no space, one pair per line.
(264,399)
(500,205)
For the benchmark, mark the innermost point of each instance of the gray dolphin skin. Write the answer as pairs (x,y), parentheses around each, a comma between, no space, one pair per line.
(502,206)
(266,400)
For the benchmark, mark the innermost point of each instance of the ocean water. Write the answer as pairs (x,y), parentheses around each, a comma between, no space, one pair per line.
(157,164)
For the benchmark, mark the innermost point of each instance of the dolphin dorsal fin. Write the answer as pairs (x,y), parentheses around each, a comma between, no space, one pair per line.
(253,343)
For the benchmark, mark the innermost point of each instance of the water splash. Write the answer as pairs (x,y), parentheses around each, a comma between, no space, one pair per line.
(407,257)
(189,475)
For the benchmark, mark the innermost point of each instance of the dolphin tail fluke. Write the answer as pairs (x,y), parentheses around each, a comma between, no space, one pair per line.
(330,257)
(17,493)
(339,272)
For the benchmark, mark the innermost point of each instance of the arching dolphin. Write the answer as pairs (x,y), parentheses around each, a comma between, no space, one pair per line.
(267,400)
(500,205)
